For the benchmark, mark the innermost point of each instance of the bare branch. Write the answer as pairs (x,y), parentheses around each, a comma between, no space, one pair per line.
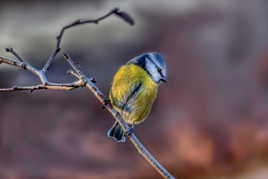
(71,72)
(11,50)
(121,14)
(22,65)
(83,81)
(45,84)
(72,64)
(69,86)
(24,88)
(49,85)
(87,80)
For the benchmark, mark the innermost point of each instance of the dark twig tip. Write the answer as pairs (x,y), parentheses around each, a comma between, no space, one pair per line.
(125,16)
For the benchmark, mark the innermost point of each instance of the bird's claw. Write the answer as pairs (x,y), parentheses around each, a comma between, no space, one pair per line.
(130,131)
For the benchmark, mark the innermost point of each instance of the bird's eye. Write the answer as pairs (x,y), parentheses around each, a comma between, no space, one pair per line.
(159,70)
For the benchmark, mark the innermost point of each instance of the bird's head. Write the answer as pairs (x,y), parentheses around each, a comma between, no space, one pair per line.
(154,64)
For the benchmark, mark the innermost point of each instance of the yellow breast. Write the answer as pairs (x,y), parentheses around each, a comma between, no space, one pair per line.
(133,93)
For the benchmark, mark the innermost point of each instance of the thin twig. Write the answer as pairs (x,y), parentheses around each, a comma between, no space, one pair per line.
(11,50)
(21,65)
(45,84)
(121,14)
(72,64)
(69,86)
(71,72)
(22,88)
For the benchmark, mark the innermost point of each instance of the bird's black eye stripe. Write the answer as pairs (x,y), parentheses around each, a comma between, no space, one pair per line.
(158,68)
(160,71)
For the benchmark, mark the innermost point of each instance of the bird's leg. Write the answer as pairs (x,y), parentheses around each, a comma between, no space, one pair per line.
(130,130)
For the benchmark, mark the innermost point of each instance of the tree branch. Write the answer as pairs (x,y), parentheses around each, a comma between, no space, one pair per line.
(83,81)
(45,84)
(121,14)
(41,74)
(11,50)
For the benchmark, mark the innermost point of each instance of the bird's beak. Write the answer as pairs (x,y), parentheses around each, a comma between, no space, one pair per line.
(164,79)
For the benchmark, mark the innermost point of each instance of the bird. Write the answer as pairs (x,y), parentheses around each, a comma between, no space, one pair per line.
(134,89)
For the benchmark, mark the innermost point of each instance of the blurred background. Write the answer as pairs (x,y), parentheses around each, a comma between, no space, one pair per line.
(210,121)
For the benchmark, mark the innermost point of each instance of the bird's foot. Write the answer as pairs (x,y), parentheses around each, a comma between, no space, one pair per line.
(130,130)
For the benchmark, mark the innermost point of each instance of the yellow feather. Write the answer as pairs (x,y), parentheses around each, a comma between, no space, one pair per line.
(127,77)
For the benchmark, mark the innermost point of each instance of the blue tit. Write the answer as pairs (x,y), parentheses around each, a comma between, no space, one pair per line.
(134,89)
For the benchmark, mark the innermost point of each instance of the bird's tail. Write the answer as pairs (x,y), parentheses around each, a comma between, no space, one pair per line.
(117,133)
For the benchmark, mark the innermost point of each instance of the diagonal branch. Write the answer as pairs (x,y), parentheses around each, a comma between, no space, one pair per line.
(121,14)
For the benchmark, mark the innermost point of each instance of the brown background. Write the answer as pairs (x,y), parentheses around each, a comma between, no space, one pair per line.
(209,121)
